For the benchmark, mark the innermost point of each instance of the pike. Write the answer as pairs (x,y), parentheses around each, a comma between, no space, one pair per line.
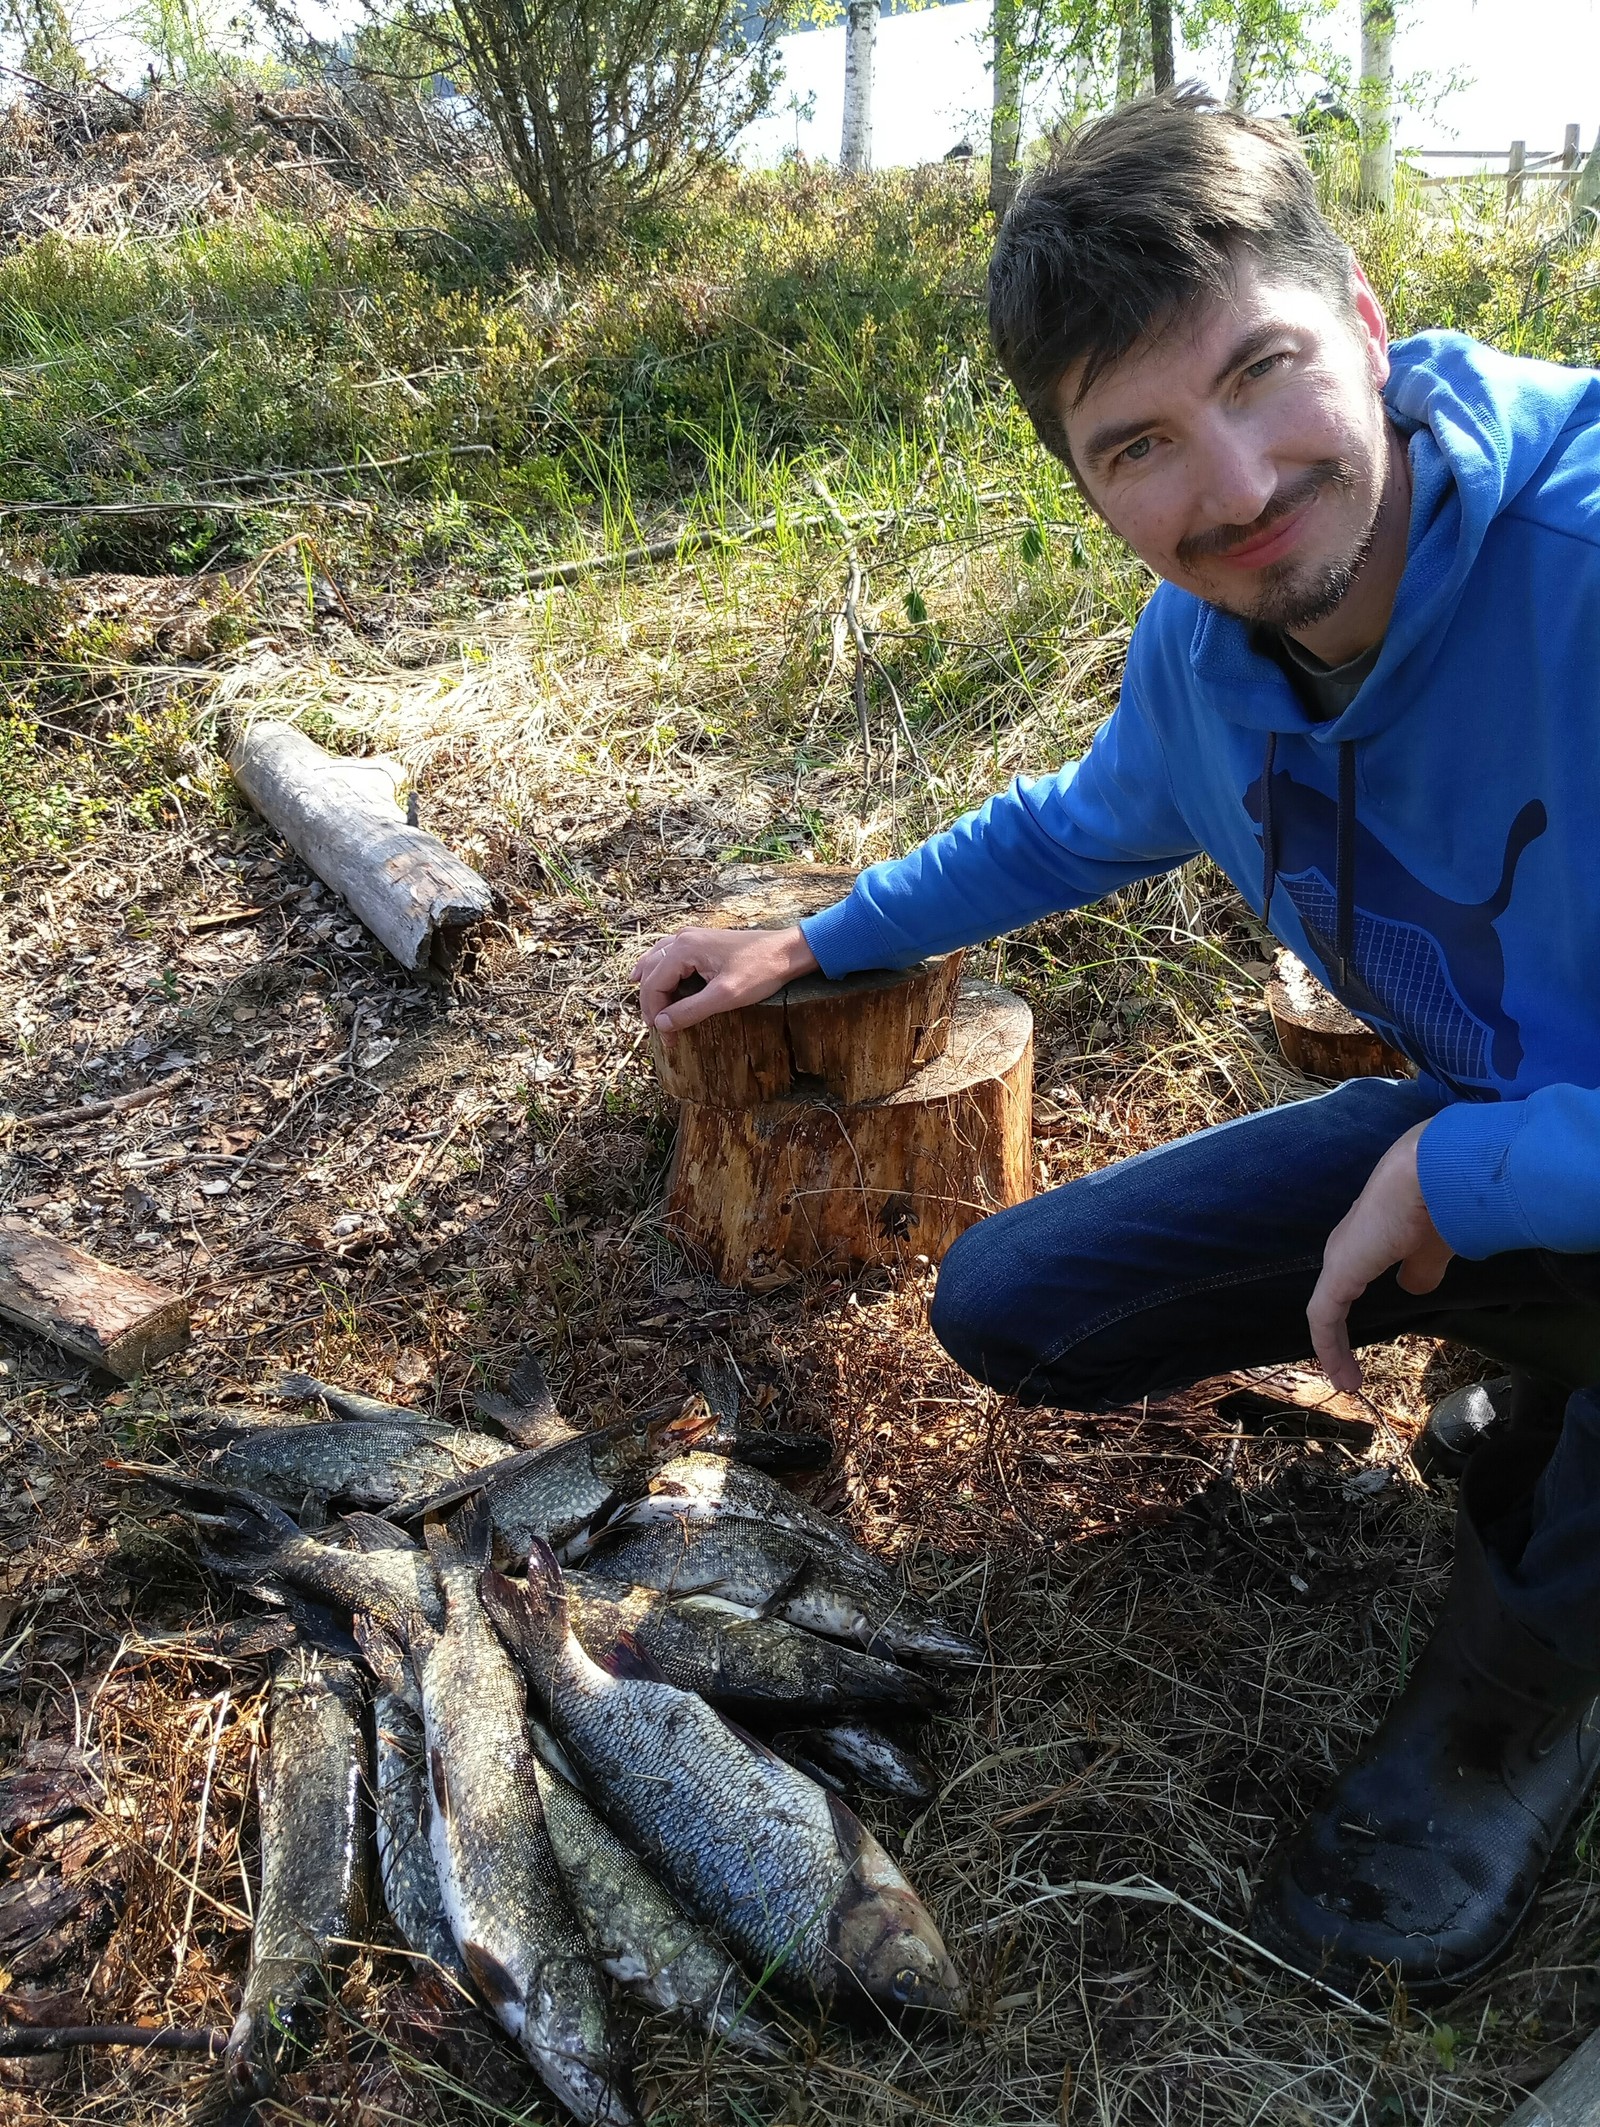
(785,1871)
(783,1575)
(499,1881)
(310,1788)
(738,1658)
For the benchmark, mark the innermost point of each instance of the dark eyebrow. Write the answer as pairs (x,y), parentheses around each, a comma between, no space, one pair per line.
(1107,441)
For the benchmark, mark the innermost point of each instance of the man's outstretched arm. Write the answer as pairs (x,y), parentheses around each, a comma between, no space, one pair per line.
(1051,843)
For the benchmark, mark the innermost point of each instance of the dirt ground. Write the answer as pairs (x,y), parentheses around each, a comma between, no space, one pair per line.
(1192,1612)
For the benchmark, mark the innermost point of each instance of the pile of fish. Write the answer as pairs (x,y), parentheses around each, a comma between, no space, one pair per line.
(618,1680)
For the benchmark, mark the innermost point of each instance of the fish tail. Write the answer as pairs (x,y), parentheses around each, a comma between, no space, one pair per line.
(531,1617)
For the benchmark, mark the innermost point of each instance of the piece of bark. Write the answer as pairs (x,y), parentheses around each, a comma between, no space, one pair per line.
(811,1181)
(856,1039)
(1318,1036)
(340,817)
(1571,2097)
(115,1319)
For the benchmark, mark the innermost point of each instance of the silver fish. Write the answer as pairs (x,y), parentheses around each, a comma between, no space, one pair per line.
(783,1575)
(860,1755)
(639,1933)
(737,1657)
(406,1872)
(703,1488)
(784,1870)
(498,1878)
(310,1785)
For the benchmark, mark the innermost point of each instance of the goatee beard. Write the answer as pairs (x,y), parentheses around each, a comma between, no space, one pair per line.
(1287,596)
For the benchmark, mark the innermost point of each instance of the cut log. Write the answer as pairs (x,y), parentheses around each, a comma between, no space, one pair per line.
(1571,2098)
(810,1181)
(857,1039)
(340,817)
(1318,1036)
(113,1318)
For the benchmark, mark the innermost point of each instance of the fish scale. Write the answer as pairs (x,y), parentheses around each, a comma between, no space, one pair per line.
(784,1871)
(311,1781)
(498,1877)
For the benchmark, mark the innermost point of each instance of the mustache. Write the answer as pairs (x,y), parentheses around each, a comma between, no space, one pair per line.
(1223,538)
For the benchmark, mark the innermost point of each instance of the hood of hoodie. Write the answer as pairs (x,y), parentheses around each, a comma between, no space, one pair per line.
(1480,425)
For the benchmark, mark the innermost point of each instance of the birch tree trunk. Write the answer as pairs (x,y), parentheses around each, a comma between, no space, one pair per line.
(1375,103)
(1131,60)
(1241,66)
(1005,123)
(860,35)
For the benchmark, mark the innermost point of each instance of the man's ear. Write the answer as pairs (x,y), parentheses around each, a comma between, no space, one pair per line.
(1371,325)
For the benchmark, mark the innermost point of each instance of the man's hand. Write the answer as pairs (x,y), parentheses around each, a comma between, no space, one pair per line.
(737,967)
(1388,1223)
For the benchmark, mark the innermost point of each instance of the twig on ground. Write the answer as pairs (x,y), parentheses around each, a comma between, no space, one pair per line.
(91,1111)
(1142,1890)
(18,2039)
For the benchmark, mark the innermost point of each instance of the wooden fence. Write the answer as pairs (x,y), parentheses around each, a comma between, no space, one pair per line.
(1522,164)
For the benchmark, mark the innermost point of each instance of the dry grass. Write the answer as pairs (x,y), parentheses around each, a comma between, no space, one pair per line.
(1189,1623)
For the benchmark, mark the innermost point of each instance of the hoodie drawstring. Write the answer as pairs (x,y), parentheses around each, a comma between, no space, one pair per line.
(1344,858)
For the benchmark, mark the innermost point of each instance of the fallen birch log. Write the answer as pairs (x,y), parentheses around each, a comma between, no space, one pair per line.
(113,1318)
(1571,2097)
(340,816)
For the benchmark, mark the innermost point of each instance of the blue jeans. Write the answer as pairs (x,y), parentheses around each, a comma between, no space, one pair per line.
(1199,1257)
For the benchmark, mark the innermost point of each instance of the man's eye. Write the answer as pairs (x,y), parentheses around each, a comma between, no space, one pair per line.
(1264,366)
(1136,450)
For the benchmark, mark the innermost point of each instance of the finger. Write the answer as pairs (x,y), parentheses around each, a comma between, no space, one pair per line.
(717,996)
(659,983)
(1328,1317)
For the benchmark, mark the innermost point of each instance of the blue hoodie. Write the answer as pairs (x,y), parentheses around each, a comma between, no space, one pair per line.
(1458,911)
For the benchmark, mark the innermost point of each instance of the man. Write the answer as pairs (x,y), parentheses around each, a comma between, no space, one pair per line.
(1367,688)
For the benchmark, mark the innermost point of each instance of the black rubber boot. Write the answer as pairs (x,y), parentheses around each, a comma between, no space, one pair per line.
(1468,1418)
(1424,1860)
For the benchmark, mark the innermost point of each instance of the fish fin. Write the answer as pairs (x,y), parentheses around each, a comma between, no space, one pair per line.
(829,1782)
(847,1828)
(297,1388)
(626,1658)
(718,1381)
(786,1590)
(489,1976)
(439,1781)
(552,1758)
(750,1742)
(373,1533)
(529,1387)
(242,1512)
(313,1515)
(531,1619)
(472,1531)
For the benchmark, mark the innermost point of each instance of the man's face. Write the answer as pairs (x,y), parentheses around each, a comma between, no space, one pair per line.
(1243,455)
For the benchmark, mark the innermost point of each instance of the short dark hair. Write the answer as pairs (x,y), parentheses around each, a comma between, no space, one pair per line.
(1138,216)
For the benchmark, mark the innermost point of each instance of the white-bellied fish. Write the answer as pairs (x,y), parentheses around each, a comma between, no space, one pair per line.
(783,1870)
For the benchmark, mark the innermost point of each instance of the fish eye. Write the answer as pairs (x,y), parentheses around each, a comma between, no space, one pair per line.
(907,1983)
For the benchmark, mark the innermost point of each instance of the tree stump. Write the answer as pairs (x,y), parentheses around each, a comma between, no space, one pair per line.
(809,1180)
(1318,1036)
(858,1039)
